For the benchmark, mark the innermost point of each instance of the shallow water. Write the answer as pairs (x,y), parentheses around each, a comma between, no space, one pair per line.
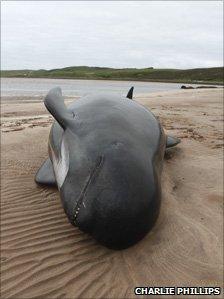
(70,87)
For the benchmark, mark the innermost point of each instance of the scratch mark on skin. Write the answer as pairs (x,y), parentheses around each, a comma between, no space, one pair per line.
(92,176)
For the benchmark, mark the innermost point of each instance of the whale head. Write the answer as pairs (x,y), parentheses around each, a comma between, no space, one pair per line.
(111,194)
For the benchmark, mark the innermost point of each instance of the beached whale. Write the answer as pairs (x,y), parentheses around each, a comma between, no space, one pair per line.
(105,156)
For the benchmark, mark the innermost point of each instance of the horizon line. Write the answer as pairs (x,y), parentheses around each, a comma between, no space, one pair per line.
(108,67)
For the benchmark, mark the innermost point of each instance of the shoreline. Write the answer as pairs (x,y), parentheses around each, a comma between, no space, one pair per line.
(124,79)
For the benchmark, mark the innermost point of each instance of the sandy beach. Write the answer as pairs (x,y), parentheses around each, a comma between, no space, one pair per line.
(44,256)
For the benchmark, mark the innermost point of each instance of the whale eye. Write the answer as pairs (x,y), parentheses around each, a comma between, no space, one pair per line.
(62,164)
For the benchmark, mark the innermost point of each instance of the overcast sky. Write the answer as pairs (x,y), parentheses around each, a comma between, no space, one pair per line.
(166,34)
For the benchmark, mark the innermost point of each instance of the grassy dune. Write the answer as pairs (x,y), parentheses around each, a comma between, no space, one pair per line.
(199,75)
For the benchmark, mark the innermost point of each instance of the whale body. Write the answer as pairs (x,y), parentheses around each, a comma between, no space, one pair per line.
(105,157)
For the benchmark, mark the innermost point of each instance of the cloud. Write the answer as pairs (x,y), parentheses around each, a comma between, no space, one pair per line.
(50,34)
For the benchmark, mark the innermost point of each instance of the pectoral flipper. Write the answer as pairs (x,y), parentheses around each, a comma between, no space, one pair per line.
(45,174)
(171,141)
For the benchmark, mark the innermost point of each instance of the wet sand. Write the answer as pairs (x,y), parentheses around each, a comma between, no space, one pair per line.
(43,256)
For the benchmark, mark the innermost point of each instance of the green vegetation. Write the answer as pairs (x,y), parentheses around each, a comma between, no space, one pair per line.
(200,75)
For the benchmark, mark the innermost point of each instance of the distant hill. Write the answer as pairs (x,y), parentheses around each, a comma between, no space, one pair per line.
(200,75)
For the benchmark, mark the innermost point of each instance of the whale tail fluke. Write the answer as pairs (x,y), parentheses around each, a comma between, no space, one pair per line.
(54,103)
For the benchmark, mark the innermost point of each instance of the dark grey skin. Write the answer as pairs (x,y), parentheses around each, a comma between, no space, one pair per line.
(107,153)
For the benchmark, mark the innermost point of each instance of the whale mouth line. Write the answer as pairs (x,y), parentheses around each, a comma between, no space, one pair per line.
(93,174)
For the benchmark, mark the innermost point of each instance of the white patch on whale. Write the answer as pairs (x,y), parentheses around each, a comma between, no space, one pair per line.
(61,165)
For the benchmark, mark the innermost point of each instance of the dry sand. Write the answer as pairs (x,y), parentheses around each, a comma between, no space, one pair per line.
(43,256)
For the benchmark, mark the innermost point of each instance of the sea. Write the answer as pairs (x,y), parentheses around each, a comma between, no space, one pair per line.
(40,86)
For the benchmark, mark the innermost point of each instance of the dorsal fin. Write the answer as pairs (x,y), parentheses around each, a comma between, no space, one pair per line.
(130,93)
(54,103)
